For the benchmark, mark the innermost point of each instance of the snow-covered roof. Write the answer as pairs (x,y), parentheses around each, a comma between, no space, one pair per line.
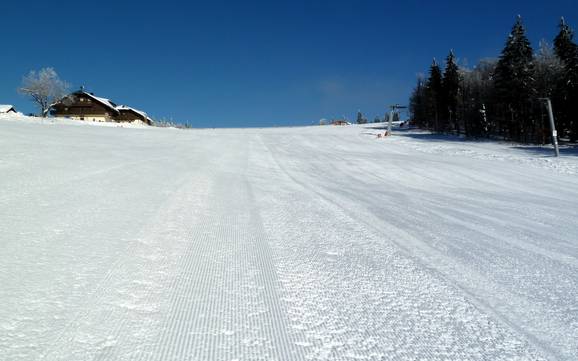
(5,108)
(106,102)
(125,107)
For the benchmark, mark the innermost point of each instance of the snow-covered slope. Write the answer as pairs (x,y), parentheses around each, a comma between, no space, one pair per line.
(21,118)
(318,243)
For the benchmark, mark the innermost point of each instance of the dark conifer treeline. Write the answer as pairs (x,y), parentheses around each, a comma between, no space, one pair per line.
(501,97)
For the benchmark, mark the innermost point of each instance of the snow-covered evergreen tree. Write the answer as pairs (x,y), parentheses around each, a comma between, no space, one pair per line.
(565,47)
(567,51)
(360,118)
(418,105)
(434,96)
(500,97)
(514,80)
(451,91)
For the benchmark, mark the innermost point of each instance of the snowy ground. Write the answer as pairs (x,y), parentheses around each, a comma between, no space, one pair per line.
(320,243)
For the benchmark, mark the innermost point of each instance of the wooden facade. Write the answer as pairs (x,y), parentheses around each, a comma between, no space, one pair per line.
(82,105)
(128,114)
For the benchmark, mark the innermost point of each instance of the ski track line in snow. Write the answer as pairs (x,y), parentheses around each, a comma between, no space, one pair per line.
(393,148)
(554,256)
(454,267)
(85,306)
(408,225)
(499,219)
(225,303)
(47,324)
(329,338)
(182,215)
(110,298)
(43,186)
(425,263)
(291,244)
(433,267)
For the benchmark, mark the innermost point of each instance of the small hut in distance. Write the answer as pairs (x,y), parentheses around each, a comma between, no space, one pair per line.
(7,108)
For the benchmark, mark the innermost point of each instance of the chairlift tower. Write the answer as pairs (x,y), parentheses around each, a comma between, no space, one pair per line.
(394,109)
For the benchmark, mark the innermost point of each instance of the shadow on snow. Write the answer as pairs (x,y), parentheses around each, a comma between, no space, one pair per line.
(535,150)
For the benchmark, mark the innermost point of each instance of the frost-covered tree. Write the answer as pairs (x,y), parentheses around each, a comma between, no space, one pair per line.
(476,89)
(548,75)
(44,88)
(567,52)
(451,91)
(514,80)
(548,70)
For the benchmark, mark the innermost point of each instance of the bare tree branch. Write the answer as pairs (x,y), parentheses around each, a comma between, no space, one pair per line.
(44,88)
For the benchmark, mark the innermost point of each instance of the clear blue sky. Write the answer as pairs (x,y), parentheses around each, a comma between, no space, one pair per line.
(253,63)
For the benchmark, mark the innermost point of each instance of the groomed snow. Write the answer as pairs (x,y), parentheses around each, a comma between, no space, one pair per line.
(313,243)
(23,119)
